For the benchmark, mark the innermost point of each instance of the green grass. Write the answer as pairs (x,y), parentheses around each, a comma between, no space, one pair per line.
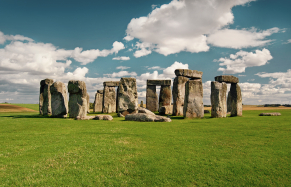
(241,151)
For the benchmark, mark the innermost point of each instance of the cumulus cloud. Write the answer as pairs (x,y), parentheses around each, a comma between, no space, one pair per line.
(3,38)
(143,49)
(238,39)
(122,74)
(237,63)
(156,68)
(122,67)
(184,26)
(121,58)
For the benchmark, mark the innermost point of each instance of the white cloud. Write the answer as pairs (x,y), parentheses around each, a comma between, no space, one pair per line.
(282,79)
(3,38)
(122,74)
(288,41)
(238,39)
(182,25)
(121,58)
(143,49)
(128,38)
(241,60)
(156,67)
(122,67)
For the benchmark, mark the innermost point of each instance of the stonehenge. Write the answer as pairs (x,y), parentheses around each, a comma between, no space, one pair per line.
(127,96)
(98,102)
(59,99)
(45,97)
(78,99)
(110,98)
(219,104)
(165,97)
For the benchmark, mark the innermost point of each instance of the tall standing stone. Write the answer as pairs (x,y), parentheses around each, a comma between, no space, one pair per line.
(127,96)
(98,101)
(59,99)
(193,104)
(178,95)
(236,100)
(77,99)
(165,96)
(229,99)
(109,100)
(151,98)
(45,97)
(218,99)
(88,102)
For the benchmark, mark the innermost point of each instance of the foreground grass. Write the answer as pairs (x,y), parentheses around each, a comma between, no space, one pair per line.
(238,151)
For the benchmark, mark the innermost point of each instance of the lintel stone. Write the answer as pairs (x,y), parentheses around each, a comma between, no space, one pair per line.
(194,74)
(159,82)
(111,83)
(227,79)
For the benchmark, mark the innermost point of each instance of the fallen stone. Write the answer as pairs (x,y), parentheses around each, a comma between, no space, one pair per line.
(103,117)
(109,100)
(120,115)
(270,114)
(143,117)
(159,82)
(227,79)
(59,100)
(194,74)
(145,111)
(165,96)
(111,83)
(77,99)
(166,110)
(45,97)
(151,98)
(218,99)
(178,95)
(193,106)
(235,100)
(98,101)
(84,118)
(127,96)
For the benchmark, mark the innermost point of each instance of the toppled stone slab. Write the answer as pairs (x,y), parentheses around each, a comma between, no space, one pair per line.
(103,117)
(45,97)
(152,98)
(120,115)
(143,117)
(193,74)
(227,79)
(59,100)
(127,96)
(270,114)
(165,96)
(84,118)
(111,83)
(178,95)
(218,99)
(98,101)
(166,110)
(159,82)
(77,99)
(145,111)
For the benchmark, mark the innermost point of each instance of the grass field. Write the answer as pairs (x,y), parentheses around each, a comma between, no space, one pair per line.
(240,151)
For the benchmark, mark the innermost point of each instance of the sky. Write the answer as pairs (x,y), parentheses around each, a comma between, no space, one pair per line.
(96,41)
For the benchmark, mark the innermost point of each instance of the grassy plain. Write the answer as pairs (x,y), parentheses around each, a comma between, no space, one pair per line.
(240,151)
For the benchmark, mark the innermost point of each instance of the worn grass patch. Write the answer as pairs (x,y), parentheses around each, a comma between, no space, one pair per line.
(240,151)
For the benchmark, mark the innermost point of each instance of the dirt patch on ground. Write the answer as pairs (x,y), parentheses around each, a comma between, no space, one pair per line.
(255,107)
(14,108)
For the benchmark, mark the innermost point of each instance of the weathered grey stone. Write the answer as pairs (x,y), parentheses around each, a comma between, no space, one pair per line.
(59,99)
(98,101)
(143,117)
(111,83)
(45,97)
(166,110)
(109,100)
(159,82)
(84,118)
(88,102)
(103,117)
(227,79)
(141,104)
(235,100)
(270,114)
(229,99)
(206,111)
(77,99)
(120,115)
(146,111)
(127,96)
(193,102)
(194,74)
(218,99)
(178,95)
(165,96)
(151,98)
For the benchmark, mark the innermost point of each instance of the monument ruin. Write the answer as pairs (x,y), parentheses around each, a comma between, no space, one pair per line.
(110,98)
(77,99)
(59,99)
(98,102)
(127,96)
(45,97)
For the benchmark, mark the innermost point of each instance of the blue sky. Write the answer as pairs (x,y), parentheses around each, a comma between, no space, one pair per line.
(97,41)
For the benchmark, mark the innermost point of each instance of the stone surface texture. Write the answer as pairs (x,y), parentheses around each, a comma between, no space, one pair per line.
(98,101)
(194,74)
(141,104)
(45,97)
(77,99)
(59,99)
(145,115)
(144,110)
(178,95)
(270,114)
(127,96)
(103,117)
(229,99)
(235,100)
(166,110)
(109,100)
(159,82)
(218,99)
(227,79)
(151,98)
(88,102)
(165,96)
(193,102)
(111,83)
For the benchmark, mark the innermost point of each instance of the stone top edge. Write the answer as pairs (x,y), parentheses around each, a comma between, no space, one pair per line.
(159,82)
(189,73)
(227,79)
(111,83)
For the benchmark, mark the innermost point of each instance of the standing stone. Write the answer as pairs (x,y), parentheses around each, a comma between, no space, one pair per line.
(165,96)
(141,104)
(151,98)
(98,101)
(178,95)
(109,100)
(59,103)
(127,96)
(193,102)
(45,97)
(77,99)
(88,102)
(218,99)
(229,102)
(236,100)
(117,99)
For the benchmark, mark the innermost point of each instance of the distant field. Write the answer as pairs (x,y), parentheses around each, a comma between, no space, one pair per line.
(240,151)
(18,107)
